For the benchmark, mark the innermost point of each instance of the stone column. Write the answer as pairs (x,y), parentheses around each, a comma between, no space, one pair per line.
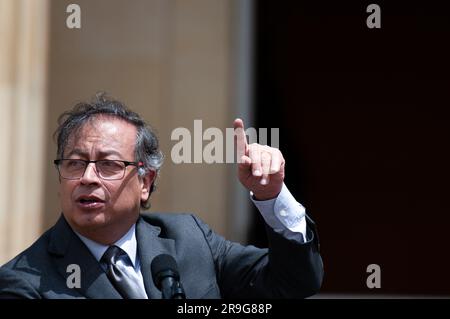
(23,68)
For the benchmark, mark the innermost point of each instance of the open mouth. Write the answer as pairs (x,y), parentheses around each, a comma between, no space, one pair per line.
(90,202)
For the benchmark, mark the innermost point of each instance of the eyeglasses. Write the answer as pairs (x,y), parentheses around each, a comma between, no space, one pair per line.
(106,169)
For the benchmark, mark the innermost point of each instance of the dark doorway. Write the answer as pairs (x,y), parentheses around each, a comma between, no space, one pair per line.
(364,127)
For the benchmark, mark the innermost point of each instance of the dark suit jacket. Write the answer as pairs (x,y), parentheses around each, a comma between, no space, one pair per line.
(209,265)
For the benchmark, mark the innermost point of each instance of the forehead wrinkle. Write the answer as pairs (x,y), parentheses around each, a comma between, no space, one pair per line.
(100,153)
(102,132)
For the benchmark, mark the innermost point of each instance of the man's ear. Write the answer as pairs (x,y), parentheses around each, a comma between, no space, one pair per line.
(147,182)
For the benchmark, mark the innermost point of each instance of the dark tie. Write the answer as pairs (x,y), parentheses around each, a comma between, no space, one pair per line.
(124,284)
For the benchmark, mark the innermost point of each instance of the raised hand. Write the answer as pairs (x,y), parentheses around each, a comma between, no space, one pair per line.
(260,168)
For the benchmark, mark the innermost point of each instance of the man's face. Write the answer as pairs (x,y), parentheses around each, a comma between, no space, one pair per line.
(116,202)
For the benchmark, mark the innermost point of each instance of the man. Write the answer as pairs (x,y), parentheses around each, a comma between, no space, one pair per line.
(108,159)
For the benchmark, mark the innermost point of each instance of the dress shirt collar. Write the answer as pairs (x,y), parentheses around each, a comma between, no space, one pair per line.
(128,243)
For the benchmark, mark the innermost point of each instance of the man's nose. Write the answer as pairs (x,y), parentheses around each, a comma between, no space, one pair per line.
(90,175)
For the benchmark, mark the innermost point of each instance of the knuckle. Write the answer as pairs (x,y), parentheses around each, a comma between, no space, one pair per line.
(255,159)
(265,156)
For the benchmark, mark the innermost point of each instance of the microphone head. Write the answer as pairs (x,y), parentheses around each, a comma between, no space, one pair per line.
(163,266)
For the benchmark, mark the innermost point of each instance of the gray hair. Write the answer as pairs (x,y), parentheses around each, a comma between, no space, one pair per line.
(147,145)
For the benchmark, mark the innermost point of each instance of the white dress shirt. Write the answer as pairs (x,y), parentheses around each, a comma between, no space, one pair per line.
(130,265)
(284,214)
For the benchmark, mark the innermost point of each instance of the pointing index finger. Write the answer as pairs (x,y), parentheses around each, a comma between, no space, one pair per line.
(240,139)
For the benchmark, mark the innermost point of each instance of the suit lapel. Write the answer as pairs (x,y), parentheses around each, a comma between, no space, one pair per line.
(150,246)
(68,249)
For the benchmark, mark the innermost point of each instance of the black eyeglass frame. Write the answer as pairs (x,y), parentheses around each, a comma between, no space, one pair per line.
(57,162)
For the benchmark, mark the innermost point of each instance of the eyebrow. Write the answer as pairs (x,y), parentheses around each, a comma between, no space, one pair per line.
(80,152)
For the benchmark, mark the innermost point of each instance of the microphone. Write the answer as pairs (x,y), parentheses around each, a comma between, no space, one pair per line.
(166,277)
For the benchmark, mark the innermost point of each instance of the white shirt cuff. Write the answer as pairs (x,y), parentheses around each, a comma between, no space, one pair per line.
(284,214)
